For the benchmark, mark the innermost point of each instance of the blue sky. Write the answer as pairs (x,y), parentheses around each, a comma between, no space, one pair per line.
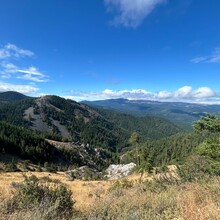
(166,50)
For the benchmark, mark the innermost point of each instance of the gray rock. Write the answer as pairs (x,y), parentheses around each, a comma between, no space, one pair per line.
(118,171)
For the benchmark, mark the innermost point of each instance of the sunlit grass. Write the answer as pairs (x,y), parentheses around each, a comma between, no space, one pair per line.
(131,198)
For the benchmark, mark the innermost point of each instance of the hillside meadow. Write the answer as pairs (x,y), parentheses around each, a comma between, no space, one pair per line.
(135,197)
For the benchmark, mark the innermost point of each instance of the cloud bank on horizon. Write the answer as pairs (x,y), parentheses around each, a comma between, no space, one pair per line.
(131,13)
(184,94)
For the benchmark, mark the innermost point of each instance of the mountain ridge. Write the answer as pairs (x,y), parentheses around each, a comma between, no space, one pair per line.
(13,96)
(180,113)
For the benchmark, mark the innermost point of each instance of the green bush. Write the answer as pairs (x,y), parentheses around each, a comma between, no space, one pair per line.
(210,148)
(11,167)
(195,168)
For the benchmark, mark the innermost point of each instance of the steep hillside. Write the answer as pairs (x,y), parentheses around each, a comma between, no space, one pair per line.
(29,145)
(148,127)
(74,122)
(182,114)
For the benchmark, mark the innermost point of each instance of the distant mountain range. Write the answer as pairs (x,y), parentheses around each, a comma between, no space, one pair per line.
(182,114)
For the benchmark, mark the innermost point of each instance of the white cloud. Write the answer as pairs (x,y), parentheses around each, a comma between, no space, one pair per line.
(130,13)
(129,94)
(10,71)
(164,94)
(183,94)
(9,67)
(11,50)
(203,92)
(30,73)
(4,53)
(213,58)
(185,91)
(25,89)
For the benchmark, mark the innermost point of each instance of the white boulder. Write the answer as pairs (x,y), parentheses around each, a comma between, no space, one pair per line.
(118,171)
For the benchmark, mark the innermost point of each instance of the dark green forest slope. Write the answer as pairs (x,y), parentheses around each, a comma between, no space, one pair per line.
(30,145)
(148,127)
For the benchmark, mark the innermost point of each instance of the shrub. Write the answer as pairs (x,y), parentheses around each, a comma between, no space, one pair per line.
(53,200)
(195,168)
(11,167)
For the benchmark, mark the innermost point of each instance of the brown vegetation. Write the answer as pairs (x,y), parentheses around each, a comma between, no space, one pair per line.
(131,198)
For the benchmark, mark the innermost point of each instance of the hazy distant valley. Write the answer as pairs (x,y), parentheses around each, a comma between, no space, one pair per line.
(181,114)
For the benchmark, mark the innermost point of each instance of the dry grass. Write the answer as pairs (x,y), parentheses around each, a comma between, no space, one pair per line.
(81,189)
(192,201)
(132,199)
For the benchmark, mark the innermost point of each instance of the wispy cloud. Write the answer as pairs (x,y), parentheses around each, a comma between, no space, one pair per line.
(30,73)
(12,51)
(131,13)
(183,94)
(33,74)
(213,58)
(25,89)
(10,70)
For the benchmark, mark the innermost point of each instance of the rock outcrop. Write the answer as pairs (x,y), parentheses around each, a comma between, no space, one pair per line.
(118,171)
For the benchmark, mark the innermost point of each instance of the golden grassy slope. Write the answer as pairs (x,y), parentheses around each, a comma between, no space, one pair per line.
(82,190)
(138,200)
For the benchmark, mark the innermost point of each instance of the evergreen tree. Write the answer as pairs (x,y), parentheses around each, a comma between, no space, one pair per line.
(134,140)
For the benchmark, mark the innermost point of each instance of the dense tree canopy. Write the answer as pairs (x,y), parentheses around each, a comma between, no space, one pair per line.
(209,122)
